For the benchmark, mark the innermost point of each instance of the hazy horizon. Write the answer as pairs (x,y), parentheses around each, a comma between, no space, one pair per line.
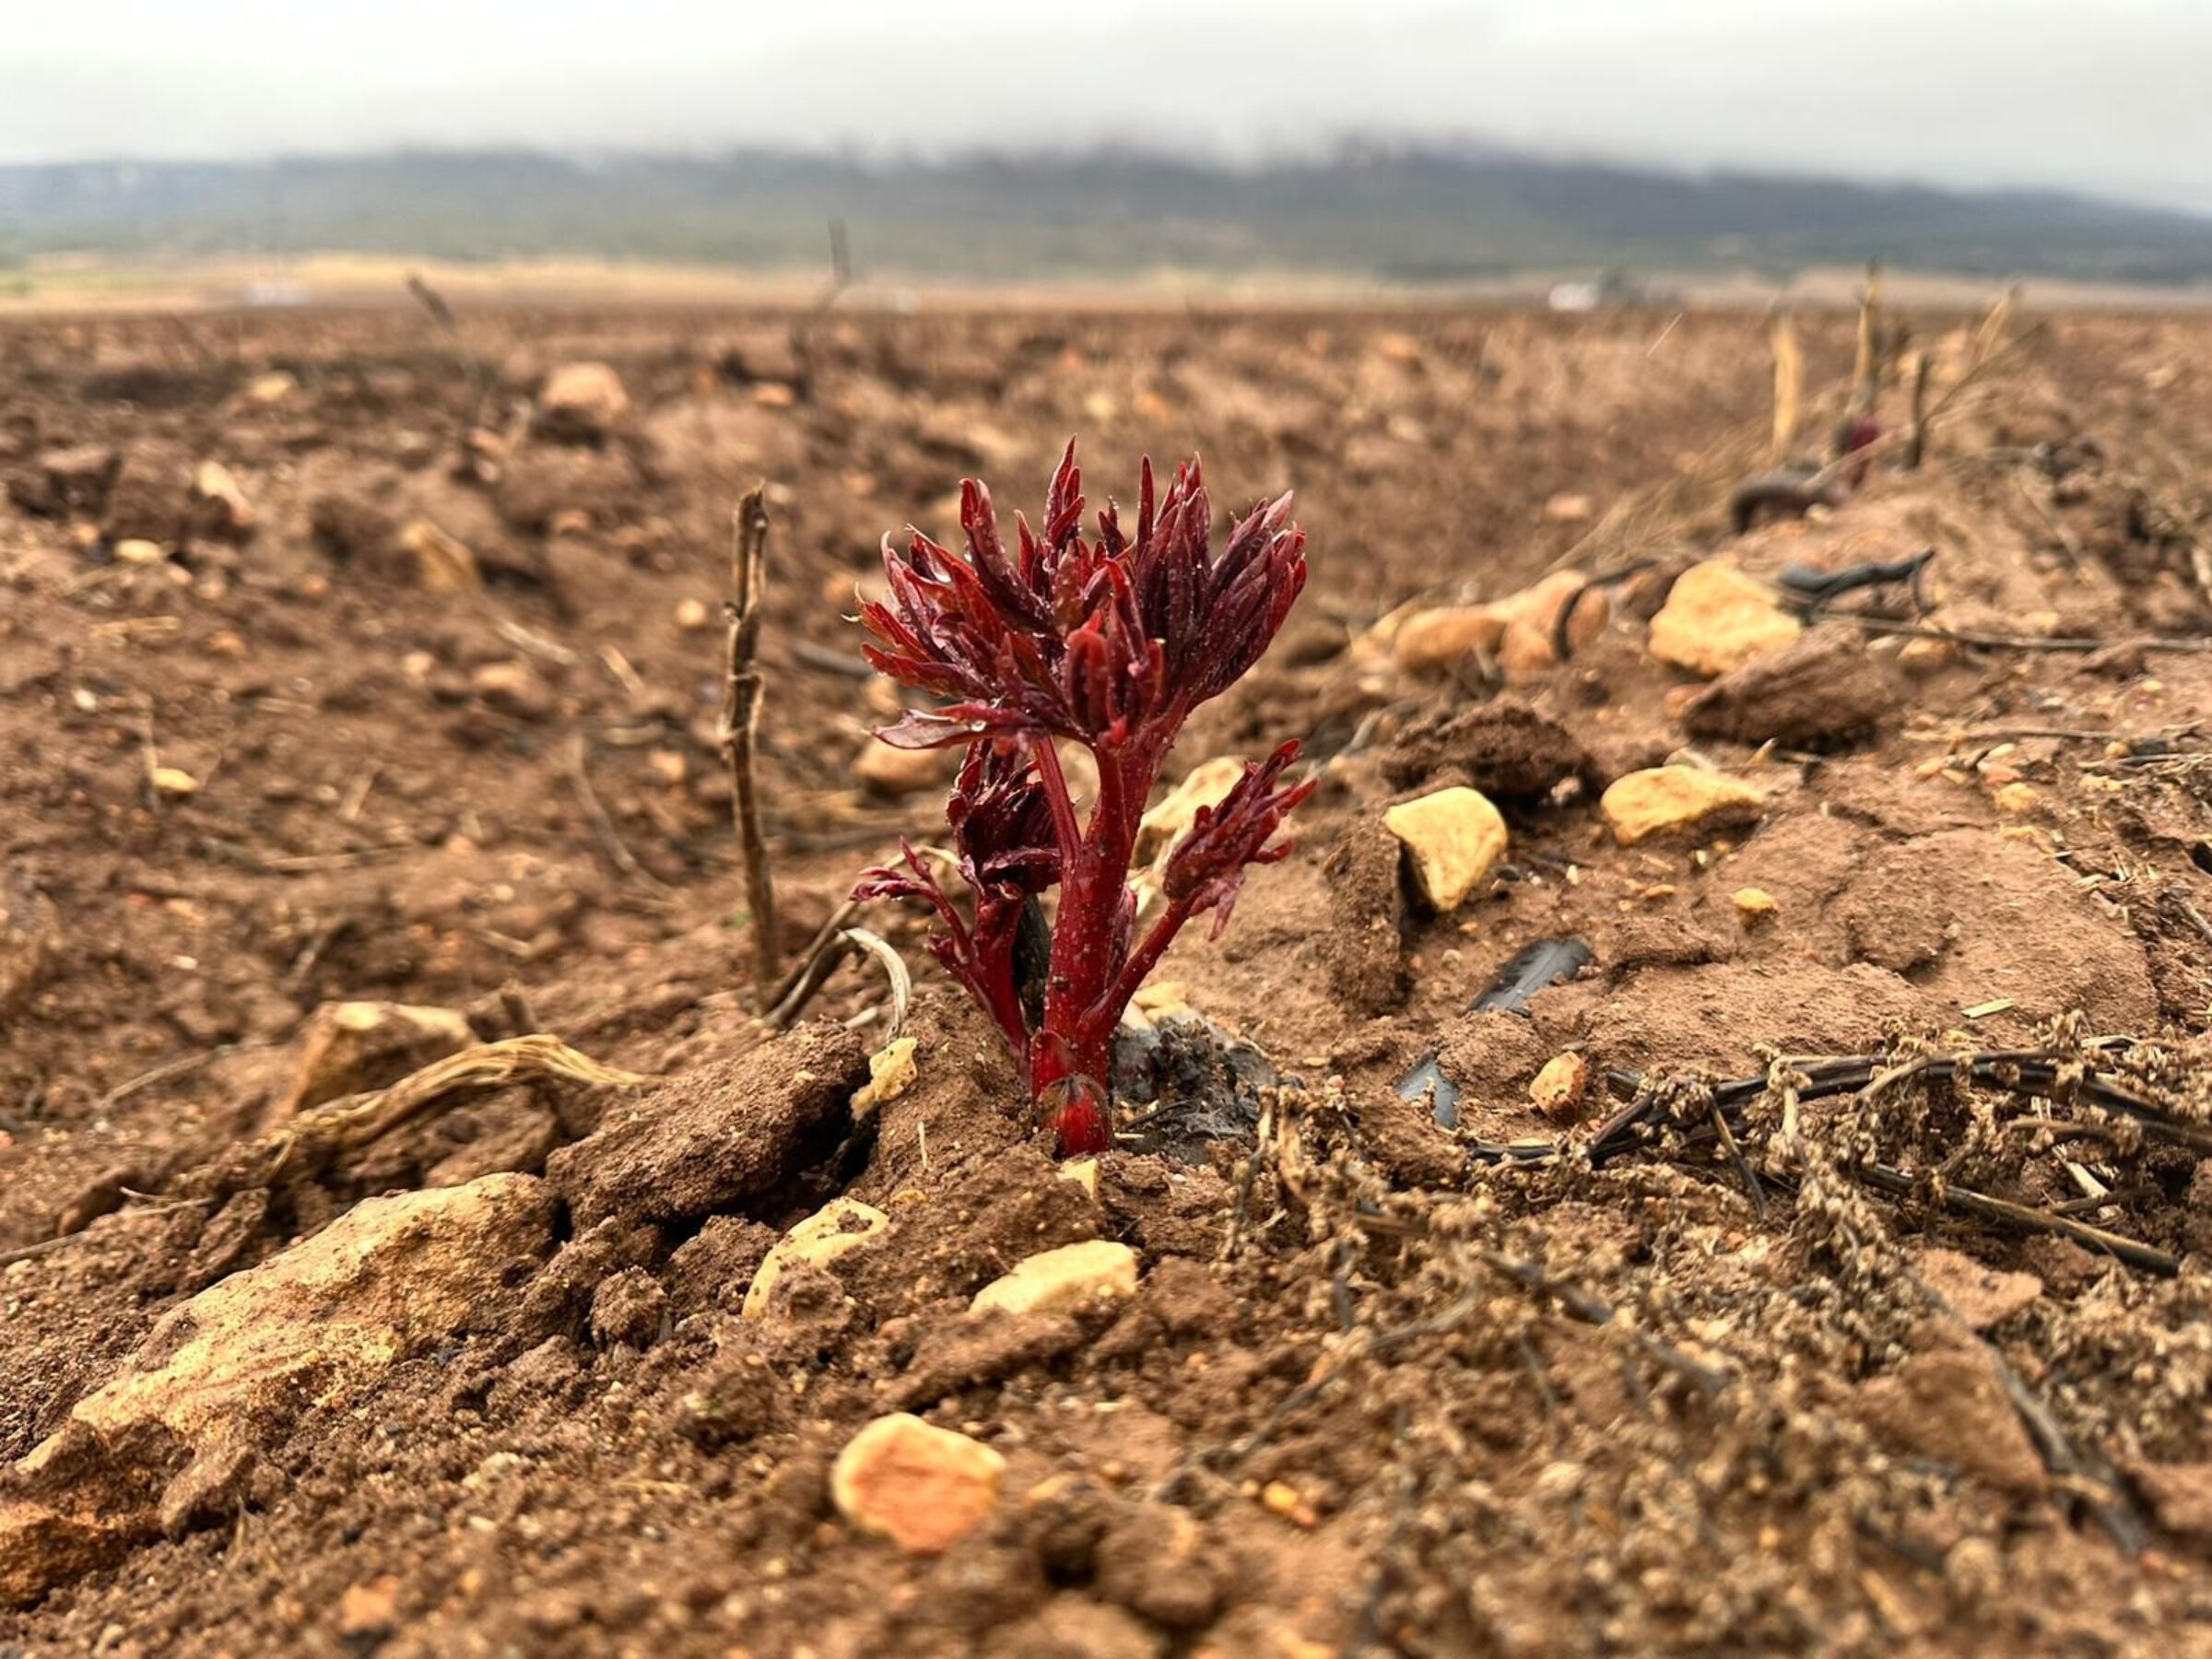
(2027,96)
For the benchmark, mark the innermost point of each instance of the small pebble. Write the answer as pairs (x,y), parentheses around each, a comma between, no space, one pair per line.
(1753,904)
(1559,1089)
(923,1487)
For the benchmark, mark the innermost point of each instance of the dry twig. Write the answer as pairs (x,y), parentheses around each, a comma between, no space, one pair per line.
(1789,384)
(609,837)
(740,726)
(315,1140)
(1866,362)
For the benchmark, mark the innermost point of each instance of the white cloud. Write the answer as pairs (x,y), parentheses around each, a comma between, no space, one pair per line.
(1967,91)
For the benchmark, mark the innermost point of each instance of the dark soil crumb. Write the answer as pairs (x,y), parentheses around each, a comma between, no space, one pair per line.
(1825,687)
(1504,748)
(1364,948)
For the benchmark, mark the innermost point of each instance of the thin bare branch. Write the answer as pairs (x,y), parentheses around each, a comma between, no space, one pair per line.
(740,725)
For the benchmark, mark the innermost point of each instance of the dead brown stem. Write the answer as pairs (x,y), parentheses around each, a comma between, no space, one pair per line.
(1867,362)
(1916,445)
(1789,384)
(314,1141)
(626,861)
(740,726)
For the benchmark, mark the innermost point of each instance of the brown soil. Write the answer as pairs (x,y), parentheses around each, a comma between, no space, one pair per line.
(1374,1393)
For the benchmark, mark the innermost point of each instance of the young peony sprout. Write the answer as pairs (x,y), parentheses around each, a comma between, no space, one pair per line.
(1110,644)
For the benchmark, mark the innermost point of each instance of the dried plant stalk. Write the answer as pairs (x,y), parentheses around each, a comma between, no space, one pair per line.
(316,1140)
(1789,383)
(1867,362)
(740,725)
(1916,445)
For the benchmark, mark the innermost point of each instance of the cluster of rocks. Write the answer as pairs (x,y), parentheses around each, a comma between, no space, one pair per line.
(143,505)
(185,1432)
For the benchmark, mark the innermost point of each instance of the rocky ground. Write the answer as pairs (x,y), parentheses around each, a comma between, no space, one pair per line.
(413,1244)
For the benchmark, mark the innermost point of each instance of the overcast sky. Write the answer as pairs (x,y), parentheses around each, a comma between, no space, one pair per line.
(2098,95)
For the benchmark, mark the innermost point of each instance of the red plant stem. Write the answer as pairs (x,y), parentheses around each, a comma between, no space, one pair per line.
(1141,962)
(993,982)
(1073,1042)
(1062,804)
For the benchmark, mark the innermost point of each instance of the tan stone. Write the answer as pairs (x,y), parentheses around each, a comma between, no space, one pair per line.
(1084,1172)
(1064,1280)
(138,550)
(1716,619)
(317,1321)
(513,689)
(1454,837)
(1280,1497)
(891,1072)
(1437,639)
(353,1046)
(271,388)
(2018,800)
(923,1487)
(443,563)
(43,1545)
(692,614)
(1926,656)
(1160,1000)
(839,1226)
(173,780)
(1753,904)
(224,508)
(1539,606)
(370,1608)
(1564,509)
(312,1327)
(1529,649)
(1559,1089)
(1519,631)
(1677,799)
(585,398)
(898,772)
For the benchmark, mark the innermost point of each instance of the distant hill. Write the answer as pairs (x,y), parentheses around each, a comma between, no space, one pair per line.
(1399,214)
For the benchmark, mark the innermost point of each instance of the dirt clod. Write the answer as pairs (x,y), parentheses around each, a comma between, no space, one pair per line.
(628,1307)
(735,1132)
(1365,948)
(1821,687)
(1949,1405)
(1507,749)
